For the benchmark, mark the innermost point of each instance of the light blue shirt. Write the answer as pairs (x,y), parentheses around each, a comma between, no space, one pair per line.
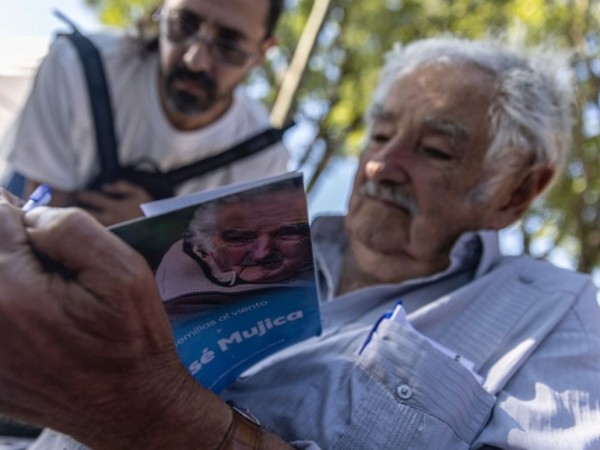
(532,331)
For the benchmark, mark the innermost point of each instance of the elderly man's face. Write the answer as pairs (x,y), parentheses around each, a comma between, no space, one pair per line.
(264,241)
(424,157)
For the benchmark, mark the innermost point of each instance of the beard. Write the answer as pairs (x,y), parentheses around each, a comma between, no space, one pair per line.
(190,103)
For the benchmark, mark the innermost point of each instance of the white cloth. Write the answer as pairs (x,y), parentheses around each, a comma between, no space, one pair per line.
(53,139)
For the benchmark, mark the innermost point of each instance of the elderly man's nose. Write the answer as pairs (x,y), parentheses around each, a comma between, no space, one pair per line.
(374,168)
(263,247)
(388,165)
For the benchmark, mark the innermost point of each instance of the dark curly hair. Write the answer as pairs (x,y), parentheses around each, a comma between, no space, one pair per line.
(147,26)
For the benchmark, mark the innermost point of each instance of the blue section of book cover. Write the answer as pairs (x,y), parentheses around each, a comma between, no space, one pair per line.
(217,346)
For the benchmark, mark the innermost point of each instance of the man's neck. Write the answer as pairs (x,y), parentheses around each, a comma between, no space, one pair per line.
(376,268)
(352,277)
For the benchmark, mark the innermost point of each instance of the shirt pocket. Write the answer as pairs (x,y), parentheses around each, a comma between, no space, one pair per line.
(413,396)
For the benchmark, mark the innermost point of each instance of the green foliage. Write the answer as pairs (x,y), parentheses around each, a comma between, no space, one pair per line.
(120,13)
(344,68)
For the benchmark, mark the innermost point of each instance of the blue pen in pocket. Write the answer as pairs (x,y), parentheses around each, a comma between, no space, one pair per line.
(387,315)
(398,314)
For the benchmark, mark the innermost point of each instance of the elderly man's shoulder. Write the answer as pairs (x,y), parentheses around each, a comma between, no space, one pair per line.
(545,276)
(547,294)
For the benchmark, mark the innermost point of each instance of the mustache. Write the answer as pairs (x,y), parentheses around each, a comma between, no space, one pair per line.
(202,79)
(389,192)
(272,259)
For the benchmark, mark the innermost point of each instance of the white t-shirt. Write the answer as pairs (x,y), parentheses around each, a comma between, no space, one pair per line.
(53,139)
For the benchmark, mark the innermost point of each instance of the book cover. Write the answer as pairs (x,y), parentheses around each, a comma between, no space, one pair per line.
(234,269)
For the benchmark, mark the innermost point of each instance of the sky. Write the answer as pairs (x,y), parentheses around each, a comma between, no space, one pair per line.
(22,18)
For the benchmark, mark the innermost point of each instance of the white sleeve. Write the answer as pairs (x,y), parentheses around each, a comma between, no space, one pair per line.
(41,146)
(52,440)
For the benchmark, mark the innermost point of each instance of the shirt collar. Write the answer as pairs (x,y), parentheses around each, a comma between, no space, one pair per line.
(479,250)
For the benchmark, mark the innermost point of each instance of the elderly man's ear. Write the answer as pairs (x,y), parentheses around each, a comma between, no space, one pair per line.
(519,195)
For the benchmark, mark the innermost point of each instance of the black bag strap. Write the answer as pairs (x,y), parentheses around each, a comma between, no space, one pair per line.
(102,112)
(244,149)
(164,184)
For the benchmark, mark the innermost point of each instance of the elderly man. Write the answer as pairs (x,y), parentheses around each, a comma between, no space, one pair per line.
(176,95)
(431,339)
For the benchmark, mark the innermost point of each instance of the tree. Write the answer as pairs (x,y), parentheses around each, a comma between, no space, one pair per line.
(567,221)
(344,68)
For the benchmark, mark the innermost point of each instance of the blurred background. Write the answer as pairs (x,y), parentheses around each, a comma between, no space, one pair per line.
(323,72)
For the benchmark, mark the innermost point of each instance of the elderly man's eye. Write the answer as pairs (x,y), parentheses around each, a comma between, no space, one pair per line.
(436,153)
(296,231)
(380,138)
(237,237)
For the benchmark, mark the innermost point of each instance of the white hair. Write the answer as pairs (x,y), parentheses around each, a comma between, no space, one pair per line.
(203,225)
(530,115)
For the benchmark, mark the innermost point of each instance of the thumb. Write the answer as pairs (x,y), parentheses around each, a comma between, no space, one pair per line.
(12,233)
(77,241)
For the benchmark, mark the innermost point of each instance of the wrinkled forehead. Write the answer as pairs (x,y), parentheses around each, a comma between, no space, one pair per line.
(450,95)
(268,211)
(431,73)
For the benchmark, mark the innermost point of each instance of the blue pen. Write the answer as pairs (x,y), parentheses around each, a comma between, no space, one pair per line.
(388,315)
(39,197)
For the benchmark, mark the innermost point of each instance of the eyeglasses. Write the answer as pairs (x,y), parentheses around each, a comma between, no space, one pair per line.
(182,28)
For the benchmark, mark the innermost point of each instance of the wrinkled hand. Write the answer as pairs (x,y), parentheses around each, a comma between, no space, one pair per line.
(90,353)
(117,202)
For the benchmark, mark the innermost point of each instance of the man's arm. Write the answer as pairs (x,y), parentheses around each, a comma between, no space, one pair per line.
(87,347)
(118,201)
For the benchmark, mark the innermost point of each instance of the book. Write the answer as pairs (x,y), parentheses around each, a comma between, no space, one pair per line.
(235,271)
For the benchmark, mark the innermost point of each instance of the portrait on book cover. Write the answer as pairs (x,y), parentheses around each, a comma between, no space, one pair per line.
(251,244)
